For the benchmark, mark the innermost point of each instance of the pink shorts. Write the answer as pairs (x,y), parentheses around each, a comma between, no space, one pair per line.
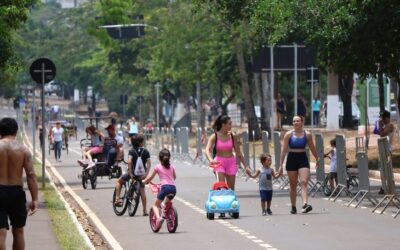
(96,150)
(228,165)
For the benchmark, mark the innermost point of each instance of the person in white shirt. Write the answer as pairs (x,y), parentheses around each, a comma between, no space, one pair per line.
(57,137)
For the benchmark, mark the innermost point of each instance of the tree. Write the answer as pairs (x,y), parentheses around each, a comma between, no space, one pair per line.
(12,14)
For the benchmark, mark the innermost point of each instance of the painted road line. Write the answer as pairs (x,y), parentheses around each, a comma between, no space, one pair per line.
(228,225)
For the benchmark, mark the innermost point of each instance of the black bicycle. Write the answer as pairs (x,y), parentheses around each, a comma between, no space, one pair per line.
(351,182)
(130,195)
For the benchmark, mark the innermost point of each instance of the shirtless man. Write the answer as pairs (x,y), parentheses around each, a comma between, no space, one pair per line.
(14,158)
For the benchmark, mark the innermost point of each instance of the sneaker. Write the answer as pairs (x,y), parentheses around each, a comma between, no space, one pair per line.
(92,164)
(293,210)
(306,208)
(222,215)
(159,223)
(269,211)
(381,191)
(264,212)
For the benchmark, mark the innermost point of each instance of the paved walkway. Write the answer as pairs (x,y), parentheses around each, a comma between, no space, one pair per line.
(38,231)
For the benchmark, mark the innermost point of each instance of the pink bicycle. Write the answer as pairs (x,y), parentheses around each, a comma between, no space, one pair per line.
(167,210)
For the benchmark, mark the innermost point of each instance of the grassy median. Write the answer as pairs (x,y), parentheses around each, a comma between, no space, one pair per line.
(65,230)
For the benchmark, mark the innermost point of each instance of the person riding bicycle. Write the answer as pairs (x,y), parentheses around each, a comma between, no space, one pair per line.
(167,176)
(134,171)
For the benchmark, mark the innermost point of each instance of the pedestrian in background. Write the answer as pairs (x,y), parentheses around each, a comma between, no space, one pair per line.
(297,163)
(301,107)
(280,110)
(316,108)
(385,128)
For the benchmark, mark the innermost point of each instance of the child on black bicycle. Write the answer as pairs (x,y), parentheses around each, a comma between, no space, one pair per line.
(266,174)
(166,174)
(138,168)
(333,166)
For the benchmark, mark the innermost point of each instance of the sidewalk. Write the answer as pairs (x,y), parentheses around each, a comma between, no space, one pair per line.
(38,230)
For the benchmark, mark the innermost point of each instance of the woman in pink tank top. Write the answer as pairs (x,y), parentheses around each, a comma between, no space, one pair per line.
(226,147)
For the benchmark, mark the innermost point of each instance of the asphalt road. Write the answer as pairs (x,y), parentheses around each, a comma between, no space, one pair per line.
(331,225)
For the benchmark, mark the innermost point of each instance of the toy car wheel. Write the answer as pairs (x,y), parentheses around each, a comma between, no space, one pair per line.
(235,215)
(210,216)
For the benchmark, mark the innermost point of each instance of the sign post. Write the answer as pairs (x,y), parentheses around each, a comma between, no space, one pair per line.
(43,71)
(312,81)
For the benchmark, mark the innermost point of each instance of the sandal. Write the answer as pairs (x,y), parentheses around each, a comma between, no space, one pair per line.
(119,203)
(145,213)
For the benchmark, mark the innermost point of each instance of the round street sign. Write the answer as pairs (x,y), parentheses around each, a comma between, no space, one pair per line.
(42,70)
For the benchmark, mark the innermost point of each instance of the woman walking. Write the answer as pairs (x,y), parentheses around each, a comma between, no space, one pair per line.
(297,163)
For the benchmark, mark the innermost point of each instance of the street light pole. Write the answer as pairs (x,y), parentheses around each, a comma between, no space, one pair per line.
(198,94)
(158,104)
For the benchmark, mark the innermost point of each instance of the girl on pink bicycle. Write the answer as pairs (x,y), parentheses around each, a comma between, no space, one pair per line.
(167,176)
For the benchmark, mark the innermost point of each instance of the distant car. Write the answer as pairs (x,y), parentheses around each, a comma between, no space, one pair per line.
(51,88)
(393,112)
(354,110)
(222,201)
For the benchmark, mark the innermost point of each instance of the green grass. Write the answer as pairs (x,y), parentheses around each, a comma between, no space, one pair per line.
(63,227)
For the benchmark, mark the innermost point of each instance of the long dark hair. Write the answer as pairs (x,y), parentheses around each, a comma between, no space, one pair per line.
(165,156)
(222,119)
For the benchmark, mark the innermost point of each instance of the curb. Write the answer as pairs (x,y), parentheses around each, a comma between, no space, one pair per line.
(67,206)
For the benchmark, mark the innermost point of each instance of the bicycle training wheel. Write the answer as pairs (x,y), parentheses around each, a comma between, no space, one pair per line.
(133,198)
(120,210)
(172,220)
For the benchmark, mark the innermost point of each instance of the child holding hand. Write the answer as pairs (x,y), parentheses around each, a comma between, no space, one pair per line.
(265,174)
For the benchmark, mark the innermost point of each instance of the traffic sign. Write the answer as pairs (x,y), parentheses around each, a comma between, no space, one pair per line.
(168,96)
(43,70)
(140,99)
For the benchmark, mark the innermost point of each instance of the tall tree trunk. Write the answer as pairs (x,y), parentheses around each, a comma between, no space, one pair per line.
(248,100)
(345,92)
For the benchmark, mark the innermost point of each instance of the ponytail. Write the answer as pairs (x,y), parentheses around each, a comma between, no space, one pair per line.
(165,156)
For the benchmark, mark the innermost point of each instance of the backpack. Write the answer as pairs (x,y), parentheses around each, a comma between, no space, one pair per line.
(214,151)
(139,166)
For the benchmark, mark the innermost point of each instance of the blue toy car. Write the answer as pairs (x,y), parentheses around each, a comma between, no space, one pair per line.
(222,200)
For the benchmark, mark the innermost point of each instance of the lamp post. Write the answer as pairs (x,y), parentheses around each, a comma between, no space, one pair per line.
(198,91)
(158,103)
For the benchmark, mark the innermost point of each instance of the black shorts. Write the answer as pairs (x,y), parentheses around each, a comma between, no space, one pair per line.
(126,177)
(132,135)
(12,206)
(295,161)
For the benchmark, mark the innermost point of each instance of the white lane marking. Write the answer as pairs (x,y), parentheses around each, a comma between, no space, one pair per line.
(229,226)
(104,231)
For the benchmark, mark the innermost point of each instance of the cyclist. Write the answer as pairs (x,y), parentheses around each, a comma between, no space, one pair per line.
(166,174)
(137,151)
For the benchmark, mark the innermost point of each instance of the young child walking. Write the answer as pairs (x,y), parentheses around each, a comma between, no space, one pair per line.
(265,174)
(166,174)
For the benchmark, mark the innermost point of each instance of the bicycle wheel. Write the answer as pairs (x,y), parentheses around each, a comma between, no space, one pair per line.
(121,210)
(153,221)
(325,187)
(84,179)
(93,178)
(172,220)
(133,198)
(352,182)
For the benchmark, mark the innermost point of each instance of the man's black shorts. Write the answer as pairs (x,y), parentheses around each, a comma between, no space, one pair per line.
(12,206)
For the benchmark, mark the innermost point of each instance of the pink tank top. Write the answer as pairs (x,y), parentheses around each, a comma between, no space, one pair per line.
(224,145)
(166,175)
